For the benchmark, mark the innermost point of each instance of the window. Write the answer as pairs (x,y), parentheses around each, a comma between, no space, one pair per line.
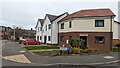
(48,38)
(40,28)
(99,23)
(61,38)
(49,26)
(70,37)
(37,38)
(70,24)
(62,26)
(40,37)
(99,39)
(46,28)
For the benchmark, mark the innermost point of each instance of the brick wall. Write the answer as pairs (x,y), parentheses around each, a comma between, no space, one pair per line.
(90,39)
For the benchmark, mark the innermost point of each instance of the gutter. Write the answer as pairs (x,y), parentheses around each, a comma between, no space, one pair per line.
(111,33)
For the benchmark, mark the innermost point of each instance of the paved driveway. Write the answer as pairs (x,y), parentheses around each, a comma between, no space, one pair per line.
(11,48)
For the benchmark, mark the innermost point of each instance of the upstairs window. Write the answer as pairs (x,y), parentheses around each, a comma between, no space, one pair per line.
(99,23)
(40,28)
(62,26)
(49,26)
(70,24)
(99,39)
(46,28)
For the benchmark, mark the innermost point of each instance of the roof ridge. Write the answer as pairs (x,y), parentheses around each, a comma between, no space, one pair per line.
(95,9)
(51,15)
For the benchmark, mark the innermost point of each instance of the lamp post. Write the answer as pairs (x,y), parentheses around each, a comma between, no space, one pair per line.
(14,32)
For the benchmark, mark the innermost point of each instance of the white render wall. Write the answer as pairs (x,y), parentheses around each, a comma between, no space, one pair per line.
(119,31)
(86,25)
(55,29)
(38,33)
(48,32)
(115,32)
(119,20)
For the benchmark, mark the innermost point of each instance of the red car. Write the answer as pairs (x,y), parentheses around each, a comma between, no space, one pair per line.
(30,42)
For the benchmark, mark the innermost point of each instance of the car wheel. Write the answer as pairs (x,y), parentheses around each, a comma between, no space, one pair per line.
(38,43)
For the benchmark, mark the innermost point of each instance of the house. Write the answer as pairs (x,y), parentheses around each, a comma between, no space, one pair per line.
(39,29)
(25,33)
(94,26)
(21,34)
(47,29)
(116,33)
(5,32)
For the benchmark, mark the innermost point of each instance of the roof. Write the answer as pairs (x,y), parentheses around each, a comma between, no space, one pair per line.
(41,22)
(117,22)
(29,31)
(90,13)
(51,17)
(62,14)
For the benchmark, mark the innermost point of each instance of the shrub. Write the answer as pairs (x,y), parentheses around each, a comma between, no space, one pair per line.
(75,50)
(78,43)
(118,45)
(20,41)
(86,50)
(71,42)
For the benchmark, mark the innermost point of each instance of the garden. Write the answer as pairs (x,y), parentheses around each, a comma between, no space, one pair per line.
(77,48)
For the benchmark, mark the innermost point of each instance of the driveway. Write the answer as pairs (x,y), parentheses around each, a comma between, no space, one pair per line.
(12,49)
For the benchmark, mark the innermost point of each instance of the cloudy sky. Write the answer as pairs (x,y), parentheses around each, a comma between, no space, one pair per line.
(24,13)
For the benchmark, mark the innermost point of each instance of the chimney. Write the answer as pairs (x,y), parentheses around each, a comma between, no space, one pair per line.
(31,29)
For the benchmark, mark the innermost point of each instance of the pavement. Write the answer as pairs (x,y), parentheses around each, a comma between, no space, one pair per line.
(13,54)
(17,58)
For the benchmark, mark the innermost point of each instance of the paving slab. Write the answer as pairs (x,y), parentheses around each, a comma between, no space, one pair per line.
(17,58)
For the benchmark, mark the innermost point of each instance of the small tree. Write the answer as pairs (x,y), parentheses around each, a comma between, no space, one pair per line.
(71,42)
(83,45)
(78,43)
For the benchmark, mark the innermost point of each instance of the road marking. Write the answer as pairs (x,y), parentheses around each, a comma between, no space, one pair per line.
(17,58)
(22,51)
(108,57)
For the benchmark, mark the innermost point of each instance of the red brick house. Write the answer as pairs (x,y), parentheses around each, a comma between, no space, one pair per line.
(94,26)
(5,32)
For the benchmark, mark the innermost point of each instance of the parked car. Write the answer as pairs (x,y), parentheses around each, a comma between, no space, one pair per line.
(118,45)
(31,42)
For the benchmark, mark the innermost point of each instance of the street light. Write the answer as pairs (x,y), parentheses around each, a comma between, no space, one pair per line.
(14,31)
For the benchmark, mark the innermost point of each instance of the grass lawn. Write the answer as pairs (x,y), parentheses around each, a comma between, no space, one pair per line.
(40,47)
(116,49)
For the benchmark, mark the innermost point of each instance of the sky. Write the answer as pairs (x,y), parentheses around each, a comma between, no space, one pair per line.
(24,13)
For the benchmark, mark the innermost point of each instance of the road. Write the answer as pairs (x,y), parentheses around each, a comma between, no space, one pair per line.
(12,48)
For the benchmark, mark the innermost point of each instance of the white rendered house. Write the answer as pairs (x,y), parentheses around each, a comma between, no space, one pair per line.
(47,29)
(39,30)
(116,33)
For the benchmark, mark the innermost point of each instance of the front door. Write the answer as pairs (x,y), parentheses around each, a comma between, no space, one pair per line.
(84,39)
(45,39)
